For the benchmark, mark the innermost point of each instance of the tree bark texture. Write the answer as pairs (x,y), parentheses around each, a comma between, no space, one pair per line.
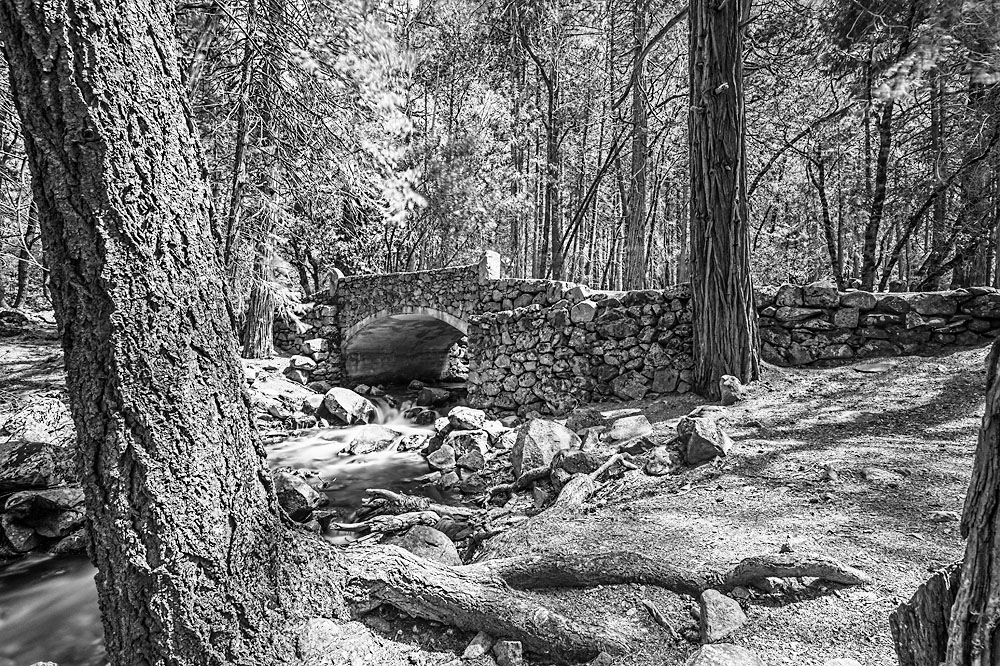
(920,626)
(635,241)
(186,546)
(974,638)
(869,253)
(725,320)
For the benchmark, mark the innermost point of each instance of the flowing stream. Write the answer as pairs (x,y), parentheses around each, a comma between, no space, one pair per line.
(48,605)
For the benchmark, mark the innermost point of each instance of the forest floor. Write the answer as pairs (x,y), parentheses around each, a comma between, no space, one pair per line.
(902,442)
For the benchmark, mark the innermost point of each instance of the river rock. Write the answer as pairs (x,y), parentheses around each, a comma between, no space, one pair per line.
(629,427)
(372,438)
(296,375)
(300,362)
(705,440)
(473,484)
(348,407)
(466,418)
(576,462)
(537,442)
(472,460)
(480,645)
(295,495)
(723,654)
(34,517)
(584,417)
(443,459)
(25,465)
(509,653)
(464,441)
(720,616)
(323,642)
(312,403)
(428,543)
(431,397)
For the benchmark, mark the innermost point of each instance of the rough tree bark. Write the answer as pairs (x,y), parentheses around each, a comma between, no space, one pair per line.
(725,320)
(635,241)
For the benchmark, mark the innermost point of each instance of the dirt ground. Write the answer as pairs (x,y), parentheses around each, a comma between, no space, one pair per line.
(902,443)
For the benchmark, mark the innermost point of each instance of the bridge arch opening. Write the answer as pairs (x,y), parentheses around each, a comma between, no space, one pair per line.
(401,344)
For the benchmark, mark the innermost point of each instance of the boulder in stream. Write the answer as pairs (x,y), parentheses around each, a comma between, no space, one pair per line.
(430,396)
(372,438)
(25,465)
(33,518)
(348,407)
(295,495)
(466,418)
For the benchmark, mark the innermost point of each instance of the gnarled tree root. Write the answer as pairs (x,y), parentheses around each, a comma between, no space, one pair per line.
(473,598)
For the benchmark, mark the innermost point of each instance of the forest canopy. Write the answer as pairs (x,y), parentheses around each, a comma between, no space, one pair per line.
(393,136)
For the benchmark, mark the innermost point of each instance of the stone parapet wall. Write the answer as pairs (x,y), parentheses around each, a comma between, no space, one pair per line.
(817,324)
(592,347)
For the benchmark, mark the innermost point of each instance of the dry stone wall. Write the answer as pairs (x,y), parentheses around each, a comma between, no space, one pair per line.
(817,324)
(567,346)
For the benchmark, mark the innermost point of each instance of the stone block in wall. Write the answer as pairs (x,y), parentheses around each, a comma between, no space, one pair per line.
(631,386)
(665,380)
(984,306)
(778,337)
(788,313)
(836,352)
(816,325)
(881,319)
(847,317)
(821,294)
(979,325)
(877,348)
(892,304)
(862,300)
(935,304)
(765,296)
(789,295)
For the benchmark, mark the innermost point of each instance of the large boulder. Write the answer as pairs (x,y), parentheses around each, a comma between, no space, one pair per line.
(720,616)
(348,407)
(428,543)
(723,654)
(537,442)
(372,438)
(295,495)
(42,419)
(430,396)
(33,518)
(705,439)
(25,465)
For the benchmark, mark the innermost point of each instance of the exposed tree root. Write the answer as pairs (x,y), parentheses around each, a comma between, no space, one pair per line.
(791,565)
(472,598)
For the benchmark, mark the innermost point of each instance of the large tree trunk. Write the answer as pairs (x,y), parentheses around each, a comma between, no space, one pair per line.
(725,320)
(974,635)
(188,549)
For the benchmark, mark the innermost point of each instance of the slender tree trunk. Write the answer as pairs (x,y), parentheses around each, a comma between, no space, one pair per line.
(869,257)
(635,242)
(24,257)
(725,319)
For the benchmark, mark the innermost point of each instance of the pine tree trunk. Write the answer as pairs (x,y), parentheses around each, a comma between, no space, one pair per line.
(724,317)
(188,550)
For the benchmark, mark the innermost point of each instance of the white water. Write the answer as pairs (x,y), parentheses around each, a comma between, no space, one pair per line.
(48,606)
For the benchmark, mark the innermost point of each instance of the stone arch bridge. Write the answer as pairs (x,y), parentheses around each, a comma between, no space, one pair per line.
(545,346)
